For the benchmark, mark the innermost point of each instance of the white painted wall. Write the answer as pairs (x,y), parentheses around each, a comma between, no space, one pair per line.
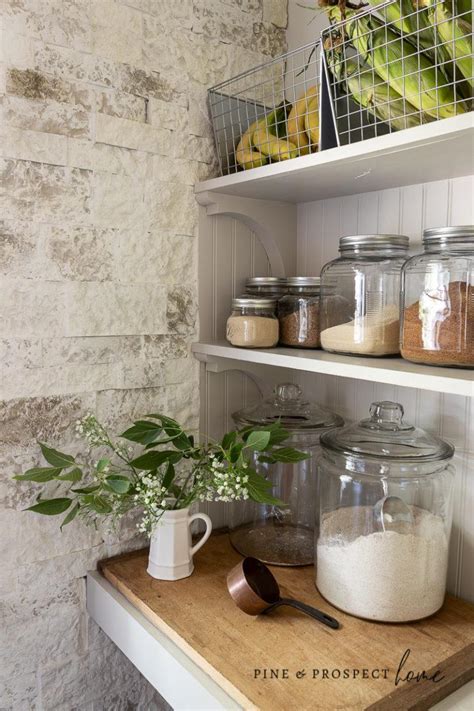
(305,22)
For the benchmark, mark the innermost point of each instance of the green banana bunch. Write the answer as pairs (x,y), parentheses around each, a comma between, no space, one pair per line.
(372,93)
(266,140)
(456,35)
(411,73)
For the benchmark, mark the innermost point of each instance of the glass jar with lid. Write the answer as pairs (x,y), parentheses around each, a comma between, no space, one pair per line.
(386,495)
(360,299)
(438,299)
(266,287)
(283,535)
(252,323)
(298,313)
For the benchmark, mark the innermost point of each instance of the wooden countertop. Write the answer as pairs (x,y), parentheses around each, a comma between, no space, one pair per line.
(287,661)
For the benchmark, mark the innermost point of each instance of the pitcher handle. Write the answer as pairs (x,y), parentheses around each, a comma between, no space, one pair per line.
(206,533)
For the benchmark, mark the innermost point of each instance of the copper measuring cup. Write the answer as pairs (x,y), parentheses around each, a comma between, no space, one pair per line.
(254,590)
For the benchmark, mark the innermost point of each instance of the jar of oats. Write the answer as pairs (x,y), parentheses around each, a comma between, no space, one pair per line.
(253,323)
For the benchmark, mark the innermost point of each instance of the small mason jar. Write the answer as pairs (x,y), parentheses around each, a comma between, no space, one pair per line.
(253,323)
(438,299)
(360,295)
(268,287)
(386,500)
(298,313)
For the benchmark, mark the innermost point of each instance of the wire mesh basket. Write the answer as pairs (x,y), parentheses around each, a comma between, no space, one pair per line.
(269,113)
(397,64)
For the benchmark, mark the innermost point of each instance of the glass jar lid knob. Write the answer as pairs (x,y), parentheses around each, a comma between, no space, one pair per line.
(384,413)
(287,392)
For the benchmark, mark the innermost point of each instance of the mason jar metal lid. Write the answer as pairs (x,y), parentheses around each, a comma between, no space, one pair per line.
(265,281)
(253,302)
(435,235)
(304,281)
(383,241)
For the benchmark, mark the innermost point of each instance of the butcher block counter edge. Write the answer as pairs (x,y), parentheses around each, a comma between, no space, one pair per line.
(194,671)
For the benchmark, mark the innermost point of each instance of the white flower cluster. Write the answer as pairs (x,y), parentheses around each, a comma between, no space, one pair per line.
(96,435)
(150,493)
(227,483)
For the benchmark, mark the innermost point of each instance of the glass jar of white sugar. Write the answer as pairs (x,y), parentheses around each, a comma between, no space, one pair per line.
(385,517)
(360,295)
(253,323)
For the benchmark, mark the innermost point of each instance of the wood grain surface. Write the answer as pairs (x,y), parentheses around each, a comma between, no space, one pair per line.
(314,667)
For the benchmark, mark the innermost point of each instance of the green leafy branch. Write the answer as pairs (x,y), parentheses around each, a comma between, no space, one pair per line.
(170,472)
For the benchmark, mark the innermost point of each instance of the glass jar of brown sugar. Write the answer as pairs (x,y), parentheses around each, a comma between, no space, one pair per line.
(298,313)
(438,299)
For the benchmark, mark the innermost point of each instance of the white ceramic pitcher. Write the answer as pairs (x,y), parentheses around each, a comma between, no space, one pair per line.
(171,549)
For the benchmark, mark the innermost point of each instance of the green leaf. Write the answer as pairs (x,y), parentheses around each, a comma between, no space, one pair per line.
(143,431)
(70,516)
(101,464)
(97,504)
(278,435)
(57,459)
(235,452)
(51,507)
(118,483)
(265,459)
(87,489)
(39,474)
(169,475)
(288,454)
(229,439)
(153,460)
(258,440)
(174,430)
(259,489)
(74,475)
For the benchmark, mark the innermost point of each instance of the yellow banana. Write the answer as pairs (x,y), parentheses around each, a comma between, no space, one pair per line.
(296,121)
(311,121)
(245,155)
(268,143)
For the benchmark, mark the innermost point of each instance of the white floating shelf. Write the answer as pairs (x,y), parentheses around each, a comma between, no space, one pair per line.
(435,151)
(393,371)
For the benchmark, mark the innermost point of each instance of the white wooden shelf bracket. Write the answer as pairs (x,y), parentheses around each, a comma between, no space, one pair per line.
(264,378)
(274,224)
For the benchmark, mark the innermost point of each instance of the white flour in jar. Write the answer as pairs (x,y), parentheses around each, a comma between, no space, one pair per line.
(377,333)
(386,576)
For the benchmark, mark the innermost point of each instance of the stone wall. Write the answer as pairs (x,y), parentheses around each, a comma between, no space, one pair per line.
(104,131)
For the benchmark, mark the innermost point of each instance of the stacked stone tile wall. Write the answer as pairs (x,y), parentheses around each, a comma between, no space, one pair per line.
(104,131)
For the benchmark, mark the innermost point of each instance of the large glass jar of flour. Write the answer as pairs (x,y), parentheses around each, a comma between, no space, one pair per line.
(283,535)
(360,295)
(438,299)
(385,517)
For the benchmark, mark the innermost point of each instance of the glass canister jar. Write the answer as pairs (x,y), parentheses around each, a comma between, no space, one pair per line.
(360,299)
(283,535)
(298,313)
(269,287)
(253,323)
(385,517)
(438,299)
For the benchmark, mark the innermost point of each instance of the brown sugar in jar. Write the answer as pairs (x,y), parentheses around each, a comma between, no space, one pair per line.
(438,292)
(439,328)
